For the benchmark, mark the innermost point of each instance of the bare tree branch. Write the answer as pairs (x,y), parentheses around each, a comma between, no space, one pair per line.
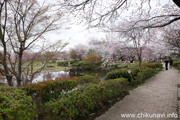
(25,25)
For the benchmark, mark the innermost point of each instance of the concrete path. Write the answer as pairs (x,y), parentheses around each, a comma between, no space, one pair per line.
(156,99)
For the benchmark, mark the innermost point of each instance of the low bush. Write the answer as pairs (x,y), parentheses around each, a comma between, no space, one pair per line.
(84,100)
(62,63)
(78,64)
(88,79)
(44,91)
(115,87)
(136,76)
(118,74)
(65,63)
(150,65)
(118,66)
(142,74)
(134,72)
(91,67)
(15,104)
(153,65)
(159,65)
(176,64)
(122,66)
(92,62)
(92,59)
(75,104)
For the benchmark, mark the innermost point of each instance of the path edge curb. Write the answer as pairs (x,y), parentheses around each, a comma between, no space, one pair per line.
(178,99)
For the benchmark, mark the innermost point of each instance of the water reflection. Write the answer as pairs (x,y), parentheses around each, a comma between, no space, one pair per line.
(99,74)
(43,76)
(50,76)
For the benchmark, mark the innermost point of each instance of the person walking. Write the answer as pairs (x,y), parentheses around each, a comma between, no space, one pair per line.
(171,63)
(166,63)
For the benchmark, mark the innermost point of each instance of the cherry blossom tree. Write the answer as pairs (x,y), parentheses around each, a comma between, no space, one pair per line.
(148,53)
(172,38)
(95,46)
(137,39)
(109,51)
(137,29)
(64,55)
(79,52)
(101,12)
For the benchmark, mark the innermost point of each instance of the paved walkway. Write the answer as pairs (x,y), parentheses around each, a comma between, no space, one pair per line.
(157,96)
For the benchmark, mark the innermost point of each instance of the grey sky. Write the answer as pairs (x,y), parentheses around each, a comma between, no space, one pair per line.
(77,34)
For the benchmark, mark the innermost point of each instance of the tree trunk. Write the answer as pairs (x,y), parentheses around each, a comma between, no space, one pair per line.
(9,80)
(18,81)
(140,61)
(19,77)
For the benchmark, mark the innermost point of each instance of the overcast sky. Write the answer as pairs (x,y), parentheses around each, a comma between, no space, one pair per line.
(78,34)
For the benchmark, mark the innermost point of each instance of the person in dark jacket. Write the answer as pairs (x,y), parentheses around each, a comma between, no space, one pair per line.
(166,63)
(171,63)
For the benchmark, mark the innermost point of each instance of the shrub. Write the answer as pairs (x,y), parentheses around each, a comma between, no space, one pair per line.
(75,104)
(143,74)
(159,65)
(91,67)
(153,65)
(92,59)
(122,66)
(150,65)
(88,79)
(176,64)
(79,64)
(62,63)
(118,66)
(118,74)
(115,87)
(15,104)
(92,62)
(84,100)
(44,91)
(136,77)
(134,72)
(65,63)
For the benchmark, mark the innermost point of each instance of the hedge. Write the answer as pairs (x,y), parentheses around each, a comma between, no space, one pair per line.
(44,91)
(84,100)
(153,65)
(159,65)
(88,79)
(122,66)
(65,63)
(118,74)
(15,104)
(115,87)
(64,99)
(145,73)
(136,77)
(176,64)
(142,74)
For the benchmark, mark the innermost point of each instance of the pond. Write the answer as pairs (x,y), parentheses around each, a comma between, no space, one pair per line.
(43,76)
(99,74)
(64,74)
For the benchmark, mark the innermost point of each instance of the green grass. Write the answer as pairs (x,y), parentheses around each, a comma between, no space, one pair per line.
(38,65)
(58,68)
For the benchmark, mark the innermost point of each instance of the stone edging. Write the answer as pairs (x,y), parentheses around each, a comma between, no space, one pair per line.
(178,99)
